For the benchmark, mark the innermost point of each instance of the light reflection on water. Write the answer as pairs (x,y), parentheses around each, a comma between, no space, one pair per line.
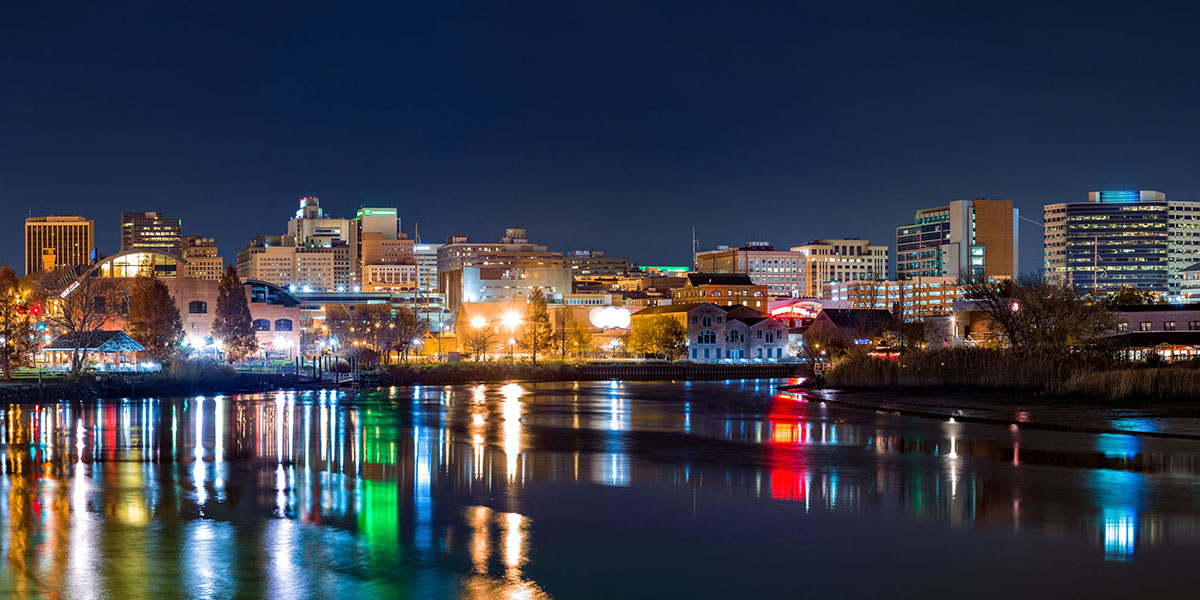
(421,491)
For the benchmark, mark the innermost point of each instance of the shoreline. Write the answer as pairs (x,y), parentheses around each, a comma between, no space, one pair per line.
(1159,419)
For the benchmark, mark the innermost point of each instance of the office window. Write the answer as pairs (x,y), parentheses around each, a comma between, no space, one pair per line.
(1194,325)
(1124,327)
(1145,326)
(197,307)
(1169,326)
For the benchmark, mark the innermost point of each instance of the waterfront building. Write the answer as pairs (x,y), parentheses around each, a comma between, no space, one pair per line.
(717,333)
(835,260)
(151,231)
(1123,238)
(781,271)
(964,239)
(275,313)
(723,290)
(201,258)
(58,241)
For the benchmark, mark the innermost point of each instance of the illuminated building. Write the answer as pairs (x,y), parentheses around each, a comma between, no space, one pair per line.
(723,290)
(202,259)
(915,299)
(151,231)
(426,257)
(318,252)
(591,263)
(58,241)
(782,271)
(494,272)
(722,333)
(1125,238)
(964,239)
(832,261)
(389,277)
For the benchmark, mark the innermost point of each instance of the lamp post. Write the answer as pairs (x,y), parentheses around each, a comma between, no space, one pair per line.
(512,344)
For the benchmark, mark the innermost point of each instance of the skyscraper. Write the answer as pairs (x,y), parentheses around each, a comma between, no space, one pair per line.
(827,262)
(1122,238)
(54,241)
(151,231)
(966,238)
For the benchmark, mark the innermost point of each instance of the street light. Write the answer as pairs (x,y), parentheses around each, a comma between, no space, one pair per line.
(478,322)
(512,344)
(511,320)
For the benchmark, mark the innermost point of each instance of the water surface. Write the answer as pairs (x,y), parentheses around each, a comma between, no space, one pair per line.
(593,490)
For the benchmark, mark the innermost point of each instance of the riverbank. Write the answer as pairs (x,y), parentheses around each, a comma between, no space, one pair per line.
(140,386)
(472,372)
(1054,375)
(1090,415)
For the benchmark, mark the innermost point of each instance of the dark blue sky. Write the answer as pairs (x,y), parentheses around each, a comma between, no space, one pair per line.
(609,125)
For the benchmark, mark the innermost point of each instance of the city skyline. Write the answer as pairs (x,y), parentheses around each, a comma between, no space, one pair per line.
(646,120)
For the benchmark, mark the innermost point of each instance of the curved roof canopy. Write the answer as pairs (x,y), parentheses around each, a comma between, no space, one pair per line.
(131,263)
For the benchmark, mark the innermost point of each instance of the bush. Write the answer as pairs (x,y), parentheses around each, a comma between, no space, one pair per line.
(195,370)
(966,368)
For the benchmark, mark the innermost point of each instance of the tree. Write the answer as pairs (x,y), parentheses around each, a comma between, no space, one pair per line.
(87,306)
(579,339)
(539,334)
(661,336)
(16,326)
(670,337)
(562,331)
(154,319)
(409,330)
(823,339)
(1131,296)
(1032,314)
(232,325)
(477,340)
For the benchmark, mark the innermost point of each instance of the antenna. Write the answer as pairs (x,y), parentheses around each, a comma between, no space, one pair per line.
(693,248)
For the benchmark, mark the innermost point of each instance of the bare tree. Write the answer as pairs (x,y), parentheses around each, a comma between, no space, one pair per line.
(85,307)
(1032,314)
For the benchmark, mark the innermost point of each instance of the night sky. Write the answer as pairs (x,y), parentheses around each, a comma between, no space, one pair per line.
(607,125)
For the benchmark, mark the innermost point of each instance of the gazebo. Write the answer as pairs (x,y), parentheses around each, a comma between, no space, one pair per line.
(110,350)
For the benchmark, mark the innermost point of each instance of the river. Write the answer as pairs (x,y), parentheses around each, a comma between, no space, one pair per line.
(580,490)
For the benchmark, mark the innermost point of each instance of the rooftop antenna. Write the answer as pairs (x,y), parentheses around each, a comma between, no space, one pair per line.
(693,248)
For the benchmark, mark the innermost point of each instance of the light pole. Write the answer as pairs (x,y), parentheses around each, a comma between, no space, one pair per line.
(512,343)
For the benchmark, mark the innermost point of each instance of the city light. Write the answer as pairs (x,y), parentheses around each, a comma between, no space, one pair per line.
(478,322)
(511,320)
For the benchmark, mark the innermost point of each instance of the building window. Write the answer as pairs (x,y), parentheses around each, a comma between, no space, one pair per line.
(758,334)
(693,353)
(718,319)
(695,319)
(283,324)
(706,321)
(1169,326)
(261,325)
(1124,327)
(706,337)
(197,307)
(770,337)
(736,337)
(1194,325)
(1145,326)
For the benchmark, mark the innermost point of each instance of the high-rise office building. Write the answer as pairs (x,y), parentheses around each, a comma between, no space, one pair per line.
(782,271)
(58,241)
(318,253)
(971,239)
(202,259)
(1122,238)
(827,262)
(151,231)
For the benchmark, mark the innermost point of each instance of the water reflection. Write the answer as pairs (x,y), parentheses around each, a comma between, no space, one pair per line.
(423,491)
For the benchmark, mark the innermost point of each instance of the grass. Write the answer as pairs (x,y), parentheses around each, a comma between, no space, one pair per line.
(1065,374)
